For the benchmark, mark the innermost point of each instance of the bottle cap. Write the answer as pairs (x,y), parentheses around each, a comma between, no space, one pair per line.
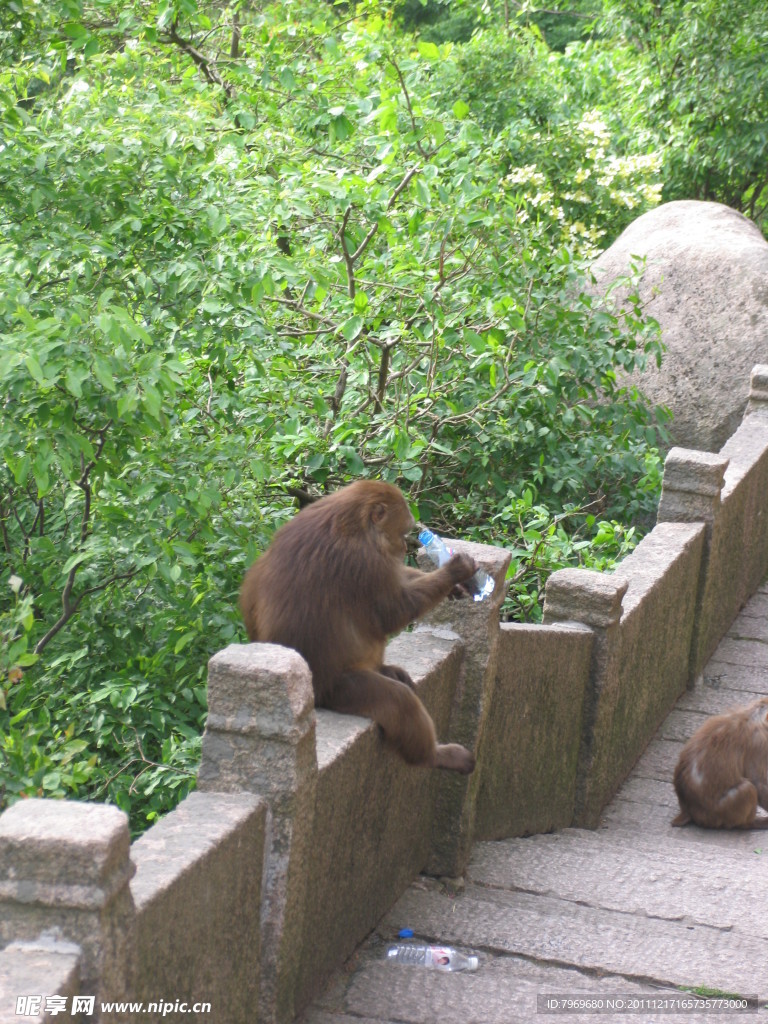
(472,963)
(405,933)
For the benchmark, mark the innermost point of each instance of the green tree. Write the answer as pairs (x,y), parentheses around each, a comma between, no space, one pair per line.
(247,253)
(694,72)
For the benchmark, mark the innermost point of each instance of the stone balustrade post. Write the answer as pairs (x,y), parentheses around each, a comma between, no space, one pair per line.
(64,873)
(758,391)
(592,599)
(691,489)
(260,738)
(477,624)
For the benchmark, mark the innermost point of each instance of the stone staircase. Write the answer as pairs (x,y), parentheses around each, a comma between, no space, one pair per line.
(635,912)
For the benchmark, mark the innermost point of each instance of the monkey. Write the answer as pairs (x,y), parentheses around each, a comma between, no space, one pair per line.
(721,776)
(333,586)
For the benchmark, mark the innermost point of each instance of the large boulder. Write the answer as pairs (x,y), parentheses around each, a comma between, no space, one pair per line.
(706,282)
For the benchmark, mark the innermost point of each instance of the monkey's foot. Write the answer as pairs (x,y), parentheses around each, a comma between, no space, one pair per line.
(395,672)
(455,758)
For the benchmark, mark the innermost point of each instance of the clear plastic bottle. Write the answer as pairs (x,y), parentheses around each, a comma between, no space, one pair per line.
(480,585)
(435,958)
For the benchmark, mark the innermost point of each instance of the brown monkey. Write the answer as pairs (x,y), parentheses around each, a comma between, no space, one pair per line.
(332,585)
(722,774)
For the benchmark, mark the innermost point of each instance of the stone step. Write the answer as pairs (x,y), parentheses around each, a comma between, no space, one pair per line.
(594,939)
(715,885)
(634,909)
(505,990)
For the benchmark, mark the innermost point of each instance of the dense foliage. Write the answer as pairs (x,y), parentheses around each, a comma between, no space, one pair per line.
(694,77)
(254,251)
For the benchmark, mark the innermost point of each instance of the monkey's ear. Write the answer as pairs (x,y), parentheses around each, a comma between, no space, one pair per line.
(378,512)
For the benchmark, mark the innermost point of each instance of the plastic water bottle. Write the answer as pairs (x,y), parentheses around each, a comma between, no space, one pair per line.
(480,585)
(435,958)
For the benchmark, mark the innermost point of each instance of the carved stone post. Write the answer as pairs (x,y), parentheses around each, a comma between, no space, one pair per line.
(690,493)
(592,599)
(758,391)
(477,623)
(64,873)
(260,738)
(691,487)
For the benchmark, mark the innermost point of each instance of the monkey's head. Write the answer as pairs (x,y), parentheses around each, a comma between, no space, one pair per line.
(387,514)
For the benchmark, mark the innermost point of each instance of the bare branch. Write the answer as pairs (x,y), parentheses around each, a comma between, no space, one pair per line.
(341,387)
(207,66)
(411,114)
(234,48)
(364,244)
(381,384)
(69,607)
(141,759)
(4,533)
(297,306)
(349,259)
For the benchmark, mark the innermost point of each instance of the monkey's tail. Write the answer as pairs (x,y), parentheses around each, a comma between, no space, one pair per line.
(683,818)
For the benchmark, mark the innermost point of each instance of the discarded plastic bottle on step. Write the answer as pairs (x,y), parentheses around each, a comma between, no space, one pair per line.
(479,586)
(435,958)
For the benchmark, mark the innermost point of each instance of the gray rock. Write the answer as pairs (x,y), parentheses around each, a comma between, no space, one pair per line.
(705,281)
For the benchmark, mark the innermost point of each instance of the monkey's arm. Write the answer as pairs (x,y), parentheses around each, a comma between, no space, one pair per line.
(419,592)
(458,590)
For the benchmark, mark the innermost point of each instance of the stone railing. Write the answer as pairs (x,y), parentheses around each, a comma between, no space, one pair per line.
(304,830)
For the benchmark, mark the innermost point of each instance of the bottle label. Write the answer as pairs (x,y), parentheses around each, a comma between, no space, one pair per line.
(441,958)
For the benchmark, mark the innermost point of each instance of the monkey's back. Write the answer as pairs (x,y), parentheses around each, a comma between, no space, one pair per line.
(709,753)
(726,752)
(313,588)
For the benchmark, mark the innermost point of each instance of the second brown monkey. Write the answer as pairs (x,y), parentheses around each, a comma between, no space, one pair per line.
(333,586)
(722,775)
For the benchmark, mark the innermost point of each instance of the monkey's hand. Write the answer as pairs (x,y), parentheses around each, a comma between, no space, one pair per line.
(461,567)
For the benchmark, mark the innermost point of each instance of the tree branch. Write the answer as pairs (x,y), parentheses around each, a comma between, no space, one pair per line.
(70,607)
(381,384)
(349,259)
(234,48)
(411,114)
(207,66)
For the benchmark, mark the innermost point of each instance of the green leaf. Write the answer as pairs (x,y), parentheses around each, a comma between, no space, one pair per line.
(103,373)
(352,327)
(429,51)
(422,191)
(354,463)
(183,642)
(74,30)
(33,365)
(77,559)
